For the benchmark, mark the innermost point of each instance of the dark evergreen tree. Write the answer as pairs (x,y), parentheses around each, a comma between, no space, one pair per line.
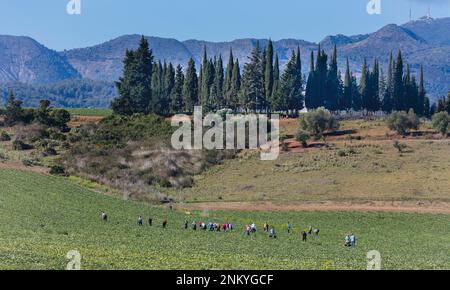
(228,78)
(190,88)
(275,99)
(291,87)
(346,103)
(252,93)
(331,97)
(398,89)
(233,100)
(364,86)
(134,86)
(176,100)
(268,71)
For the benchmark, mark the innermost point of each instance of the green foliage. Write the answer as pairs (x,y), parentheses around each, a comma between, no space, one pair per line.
(441,122)
(4,136)
(402,122)
(57,170)
(399,146)
(318,122)
(302,136)
(33,240)
(19,145)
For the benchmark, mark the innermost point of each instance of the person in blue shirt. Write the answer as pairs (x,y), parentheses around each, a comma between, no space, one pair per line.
(139,221)
(352,240)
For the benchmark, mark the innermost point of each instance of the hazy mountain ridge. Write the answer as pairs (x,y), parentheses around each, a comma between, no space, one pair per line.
(422,42)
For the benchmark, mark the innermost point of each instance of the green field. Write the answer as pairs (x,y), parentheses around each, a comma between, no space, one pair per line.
(90,112)
(44,217)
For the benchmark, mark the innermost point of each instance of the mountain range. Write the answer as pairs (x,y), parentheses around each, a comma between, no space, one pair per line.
(34,70)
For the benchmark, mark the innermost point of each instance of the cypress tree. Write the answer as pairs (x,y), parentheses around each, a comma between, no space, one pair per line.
(268,73)
(176,100)
(398,89)
(235,86)
(228,78)
(364,90)
(252,94)
(134,87)
(275,104)
(311,93)
(291,86)
(387,102)
(332,84)
(219,83)
(347,95)
(190,88)
(422,107)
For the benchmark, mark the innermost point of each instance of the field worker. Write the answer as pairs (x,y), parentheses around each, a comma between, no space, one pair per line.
(272,233)
(104,217)
(253,228)
(139,221)
(247,230)
(150,221)
(164,224)
(289,227)
(186,225)
(352,240)
(194,226)
(310,229)
(316,232)
(304,236)
(347,241)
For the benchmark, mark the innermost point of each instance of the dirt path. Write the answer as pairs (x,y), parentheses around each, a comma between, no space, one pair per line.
(20,166)
(369,206)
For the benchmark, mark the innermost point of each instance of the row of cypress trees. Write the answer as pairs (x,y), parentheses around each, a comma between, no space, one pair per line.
(154,87)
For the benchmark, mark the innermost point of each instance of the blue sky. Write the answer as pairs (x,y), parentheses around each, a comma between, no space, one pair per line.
(214,20)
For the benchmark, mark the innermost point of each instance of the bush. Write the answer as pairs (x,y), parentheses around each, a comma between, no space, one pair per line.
(57,170)
(49,151)
(318,122)
(302,136)
(441,122)
(400,146)
(19,145)
(60,118)
(402,122)
(4,136)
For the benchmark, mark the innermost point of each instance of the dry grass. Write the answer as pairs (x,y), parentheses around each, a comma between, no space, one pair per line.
(342,168)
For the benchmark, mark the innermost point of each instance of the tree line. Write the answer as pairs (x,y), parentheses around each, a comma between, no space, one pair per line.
(149,86)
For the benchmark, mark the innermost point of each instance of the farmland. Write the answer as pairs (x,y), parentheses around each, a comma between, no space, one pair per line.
(44,217)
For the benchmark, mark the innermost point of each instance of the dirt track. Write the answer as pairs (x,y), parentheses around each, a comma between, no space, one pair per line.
(369,206)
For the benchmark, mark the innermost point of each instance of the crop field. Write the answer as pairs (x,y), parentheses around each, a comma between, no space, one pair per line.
(43,217)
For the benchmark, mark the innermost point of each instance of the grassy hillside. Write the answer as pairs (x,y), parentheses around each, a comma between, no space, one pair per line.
(44,217)
(358,165)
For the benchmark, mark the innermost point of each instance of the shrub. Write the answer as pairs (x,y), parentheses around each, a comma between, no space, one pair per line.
(60,118)
(4,136)
(441,122)
(302,137)
(402,122)
(318,122)
(31,162)
(19,145)
(49,151)
(57,170)
(399,146)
